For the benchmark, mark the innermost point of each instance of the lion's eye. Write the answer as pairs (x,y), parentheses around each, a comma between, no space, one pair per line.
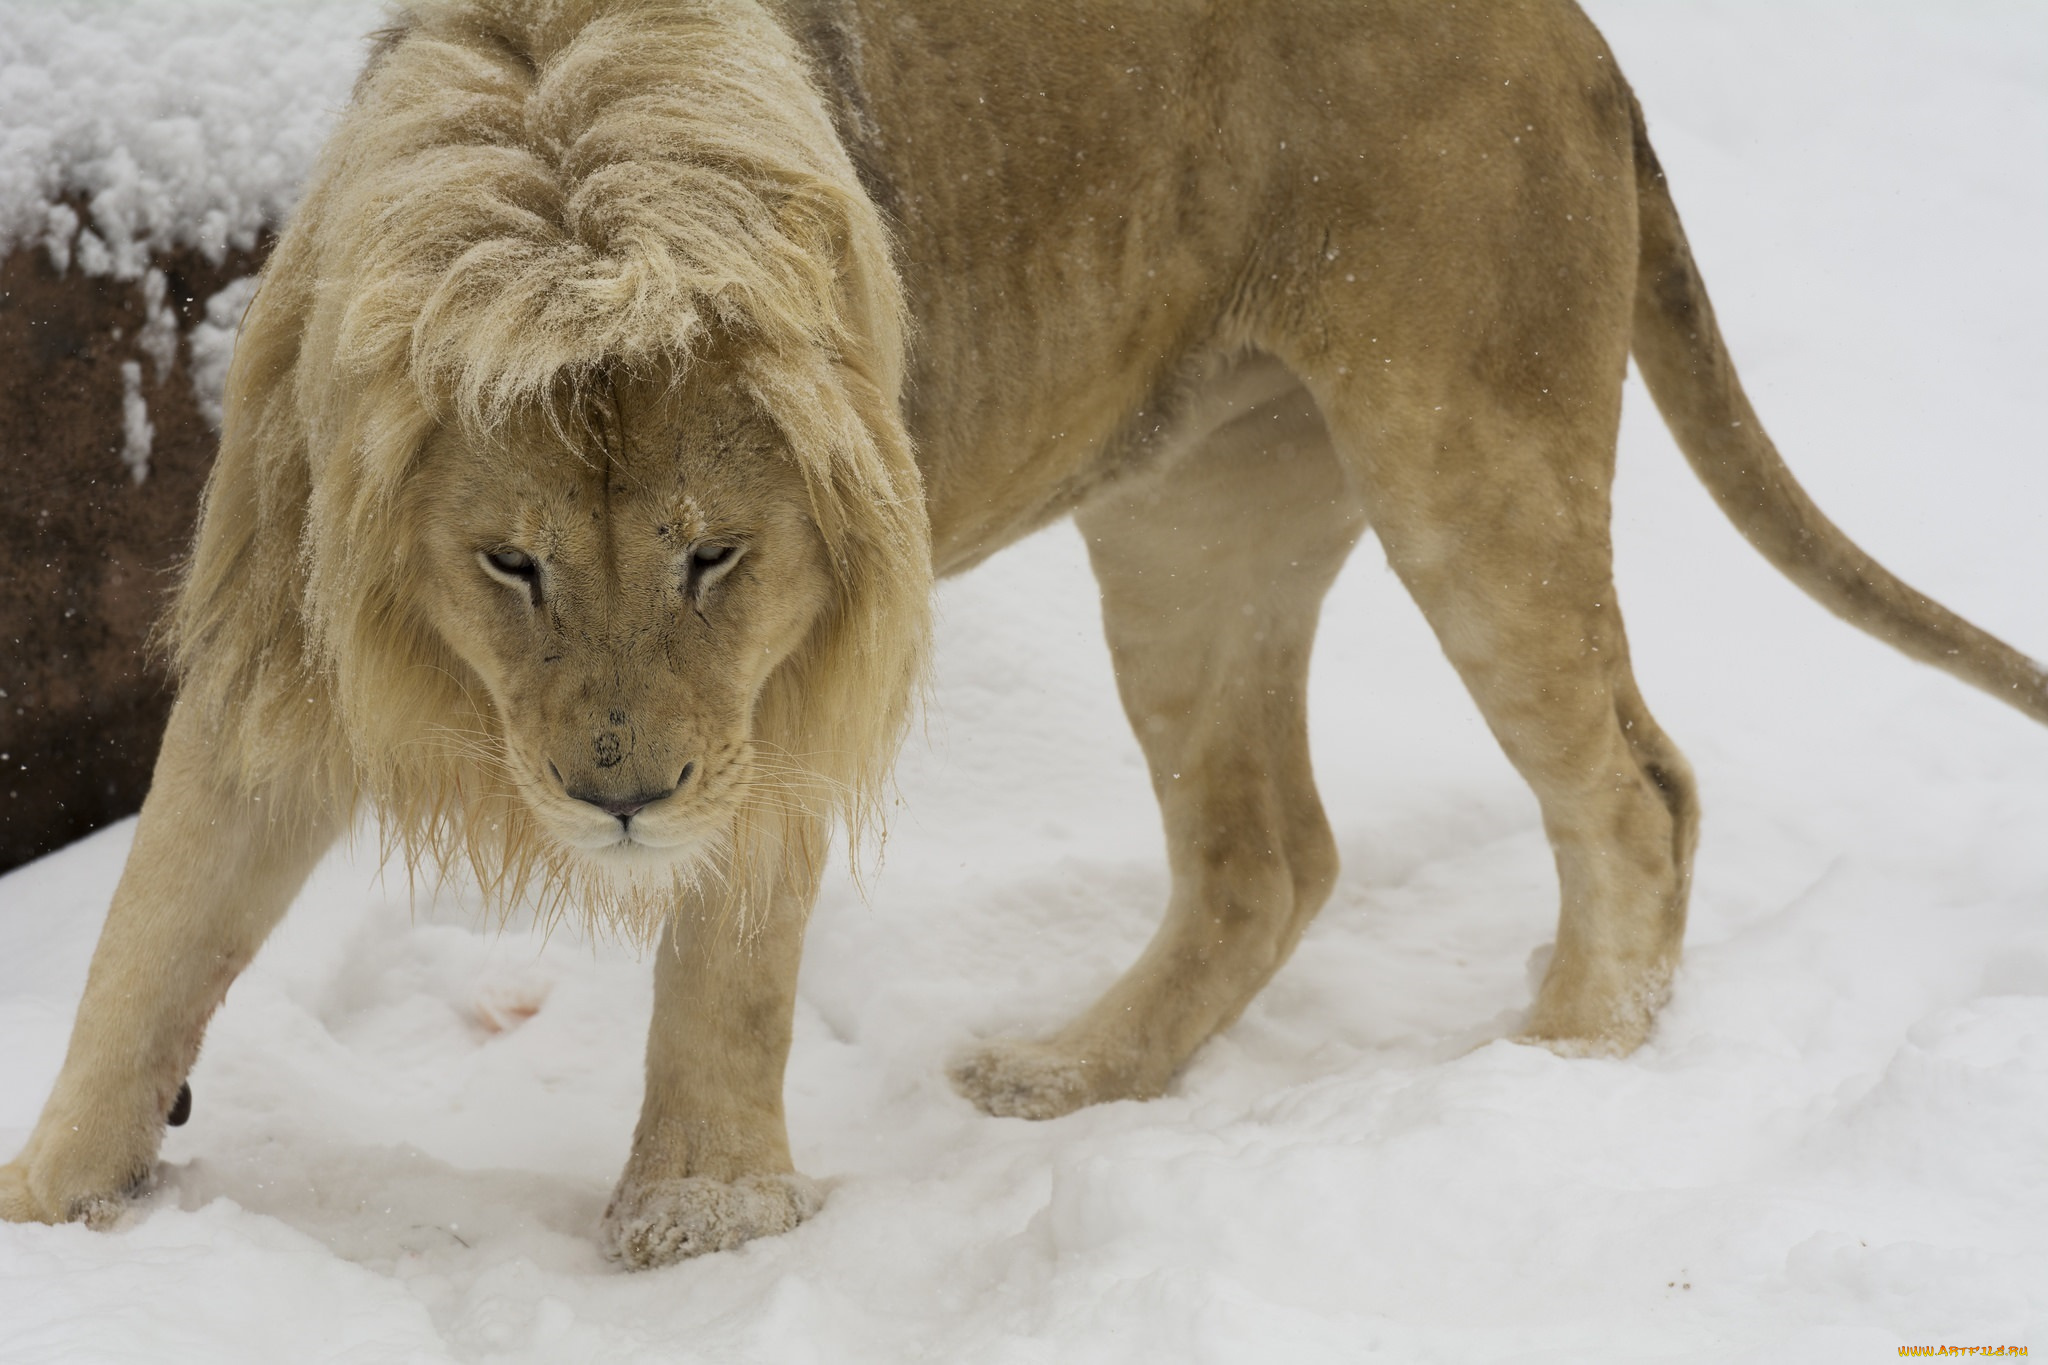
(515,562)
(514,568)
(707,564)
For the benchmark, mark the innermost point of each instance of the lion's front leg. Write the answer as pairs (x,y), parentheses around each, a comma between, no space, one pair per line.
(710,1166)
(212,870)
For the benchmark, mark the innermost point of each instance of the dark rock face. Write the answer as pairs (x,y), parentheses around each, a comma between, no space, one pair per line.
(87,554)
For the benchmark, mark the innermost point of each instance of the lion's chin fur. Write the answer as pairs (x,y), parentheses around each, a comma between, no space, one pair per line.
(635,863)
(626,892)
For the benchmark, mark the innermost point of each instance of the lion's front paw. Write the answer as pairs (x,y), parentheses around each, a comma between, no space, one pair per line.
(1017,1079)
(664,1221)
(19,1202)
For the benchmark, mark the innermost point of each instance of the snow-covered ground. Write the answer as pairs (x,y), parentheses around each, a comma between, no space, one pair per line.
(1835,1145)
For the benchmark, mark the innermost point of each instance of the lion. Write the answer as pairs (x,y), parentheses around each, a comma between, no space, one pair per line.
(631,367)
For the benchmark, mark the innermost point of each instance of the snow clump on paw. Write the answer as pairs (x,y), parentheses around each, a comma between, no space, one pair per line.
(1022,1080)
(665,1221)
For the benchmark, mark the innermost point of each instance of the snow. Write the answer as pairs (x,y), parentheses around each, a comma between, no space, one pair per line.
(137,432)
(179,122)
(211,344)
(1836,1144)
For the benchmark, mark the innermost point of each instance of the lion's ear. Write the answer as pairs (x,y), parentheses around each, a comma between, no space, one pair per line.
(846,239)
(818,231)
(815,229)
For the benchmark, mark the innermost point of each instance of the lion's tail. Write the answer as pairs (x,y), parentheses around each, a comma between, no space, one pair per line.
(1686,363)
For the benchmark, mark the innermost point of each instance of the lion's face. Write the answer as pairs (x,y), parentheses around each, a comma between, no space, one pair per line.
(623,600)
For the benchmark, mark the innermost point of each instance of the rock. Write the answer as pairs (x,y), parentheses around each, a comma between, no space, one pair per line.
(95,388)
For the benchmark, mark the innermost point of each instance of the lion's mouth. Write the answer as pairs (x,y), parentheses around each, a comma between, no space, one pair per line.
(628,859)
(632,840)
(640,844)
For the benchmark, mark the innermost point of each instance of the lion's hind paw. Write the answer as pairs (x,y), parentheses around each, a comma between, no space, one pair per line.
(1024,1080)
(664,1221)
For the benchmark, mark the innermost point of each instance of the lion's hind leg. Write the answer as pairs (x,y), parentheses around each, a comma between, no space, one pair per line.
(213,867)
(1213,571)
(1493,509)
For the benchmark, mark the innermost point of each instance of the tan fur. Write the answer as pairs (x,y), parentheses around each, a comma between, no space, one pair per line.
(612,281)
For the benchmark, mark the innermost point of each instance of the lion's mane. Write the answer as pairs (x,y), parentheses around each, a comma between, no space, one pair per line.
(521,200)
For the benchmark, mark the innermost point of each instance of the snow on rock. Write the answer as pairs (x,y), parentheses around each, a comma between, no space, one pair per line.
(137,435)
(211,344)
(407,1123)
(182,123)
(179,122)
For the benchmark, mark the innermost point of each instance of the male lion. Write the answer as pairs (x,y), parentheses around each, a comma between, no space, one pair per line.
(632,365)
